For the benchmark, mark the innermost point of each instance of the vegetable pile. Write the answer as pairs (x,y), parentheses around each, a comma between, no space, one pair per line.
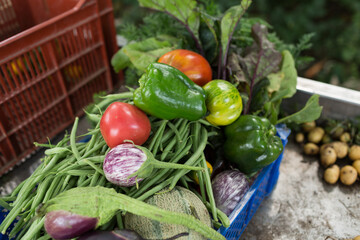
(189,136)
(337,144)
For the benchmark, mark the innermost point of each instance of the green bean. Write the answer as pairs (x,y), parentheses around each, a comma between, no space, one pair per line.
(47,145)
(81,178)
(67,167)
(155,189)
(93,116)
(119,221)
(28,202)
(23,230)
(34,228)
(177,133)
(157,122)
(63,141)
(12,215)
(40,191)
(184,183)
(95,159)
(45,237)
(4,204)
(94,179)
(102,181)
(90,132)
(92,141)
(222,216)
(202,186)
(94,149)
(109,225)
(172,143)
(18,188)
(52,189)
(209,188)
(125,190)
(84,183)
(114,97)
(72,139)
(65,182)
(154,144)
(104,150)
(71,184)
(27,188)
(196,135)
(193,158)
(96,168)
(17,227)
(169,132)
(56,150)
(8,198)
(51,164)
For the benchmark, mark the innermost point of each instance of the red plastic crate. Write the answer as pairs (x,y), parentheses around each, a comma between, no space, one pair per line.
(53,58)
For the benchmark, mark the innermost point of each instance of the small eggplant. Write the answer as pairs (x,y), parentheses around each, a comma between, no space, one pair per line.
(229,187)
(122,161)
(127,164)
(123,234)
(62,224)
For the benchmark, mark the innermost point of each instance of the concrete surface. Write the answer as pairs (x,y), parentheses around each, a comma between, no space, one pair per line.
(303,206)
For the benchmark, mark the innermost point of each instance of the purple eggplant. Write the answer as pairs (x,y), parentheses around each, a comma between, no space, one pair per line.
(127,164)
(61,224)
(229,187)
(111,235)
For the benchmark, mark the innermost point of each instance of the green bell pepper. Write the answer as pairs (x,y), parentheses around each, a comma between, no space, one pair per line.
(167,93)
(223,101)
(251,143)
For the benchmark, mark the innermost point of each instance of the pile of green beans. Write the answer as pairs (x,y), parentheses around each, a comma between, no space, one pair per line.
(70,164)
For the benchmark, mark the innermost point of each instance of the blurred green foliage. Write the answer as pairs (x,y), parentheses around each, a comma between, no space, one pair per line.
(336,24)
(331,26)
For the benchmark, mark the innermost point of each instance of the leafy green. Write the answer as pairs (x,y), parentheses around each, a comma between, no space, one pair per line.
(208,36)
(228,25)
(261,58)
(156,24)
(283,83)
(141,54)
(182,10)
(310,112)
(257,62)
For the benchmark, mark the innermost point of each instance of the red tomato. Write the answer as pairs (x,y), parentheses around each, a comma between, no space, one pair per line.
(192,64)
(123,121)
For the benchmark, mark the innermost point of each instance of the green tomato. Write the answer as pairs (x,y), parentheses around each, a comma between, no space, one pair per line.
(223,101)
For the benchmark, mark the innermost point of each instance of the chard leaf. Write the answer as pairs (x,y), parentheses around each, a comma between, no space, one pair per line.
(182,10)
(283,83)
(310,112)
(261,58)
(142,53)
(208,36)
(260,95)
(120,61)
(228,25)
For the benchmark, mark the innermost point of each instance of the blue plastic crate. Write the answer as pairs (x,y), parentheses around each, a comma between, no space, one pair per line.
(261,187)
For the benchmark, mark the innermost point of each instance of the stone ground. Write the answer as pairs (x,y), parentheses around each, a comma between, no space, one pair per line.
(303,206)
